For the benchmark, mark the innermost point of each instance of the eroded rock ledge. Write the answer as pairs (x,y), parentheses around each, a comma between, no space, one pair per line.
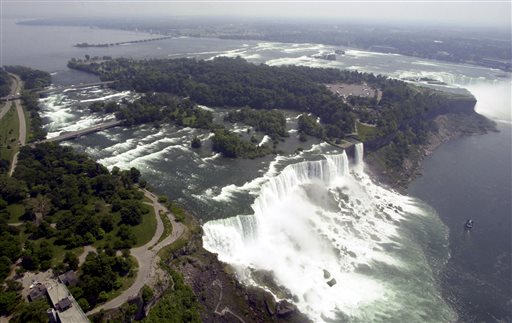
(449,126)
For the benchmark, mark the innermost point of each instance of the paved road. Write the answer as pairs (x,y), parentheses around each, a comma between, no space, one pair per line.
(15,88)
(87,249)
(146,255)
(22,139)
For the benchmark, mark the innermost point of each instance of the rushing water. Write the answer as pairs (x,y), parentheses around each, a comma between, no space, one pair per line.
(313,216)
(318,224)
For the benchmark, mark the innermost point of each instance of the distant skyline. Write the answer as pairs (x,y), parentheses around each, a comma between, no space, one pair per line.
(462,13)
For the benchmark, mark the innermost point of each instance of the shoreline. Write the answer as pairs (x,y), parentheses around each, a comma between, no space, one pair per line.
(450,126)
(205,273)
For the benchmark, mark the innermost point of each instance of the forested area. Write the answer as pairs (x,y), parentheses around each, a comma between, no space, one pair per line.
(233,82)
(178,304)
(309,126)
(271,122)
(231,145)
(161,107)
(31,104)
(5,83)
(33,79)
(65,200)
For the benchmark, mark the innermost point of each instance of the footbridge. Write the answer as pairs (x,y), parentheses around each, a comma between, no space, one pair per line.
(73,87)
(82,132)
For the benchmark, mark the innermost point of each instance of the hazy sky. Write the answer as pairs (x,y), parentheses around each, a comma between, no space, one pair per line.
(476,13)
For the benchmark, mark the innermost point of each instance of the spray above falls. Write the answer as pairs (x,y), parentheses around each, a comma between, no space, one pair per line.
(335,245)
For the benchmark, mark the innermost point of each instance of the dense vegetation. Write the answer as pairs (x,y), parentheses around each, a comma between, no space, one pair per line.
(178,303)
(234,83)
(80,196)
(65,201)
(309,126)
(5,83)
(31,105)
(160,107)
(101,274)
(271,122)
(231,145)
(33,79)
(400,114)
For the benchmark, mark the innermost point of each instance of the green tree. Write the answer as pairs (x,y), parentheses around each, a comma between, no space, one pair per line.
(134,175)
(8,301)
(71,260)
(31,312)
(147,294)
(84,304)
(131,212)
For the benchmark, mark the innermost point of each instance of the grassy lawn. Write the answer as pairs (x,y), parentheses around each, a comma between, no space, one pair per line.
(15,211)
(9,133)
(167,226)
(366,132)
(60,251)
(167,251)
(27,123)
(146,230)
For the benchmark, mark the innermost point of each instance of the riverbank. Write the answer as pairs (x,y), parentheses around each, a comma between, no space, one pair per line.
(449,127)
(469,178)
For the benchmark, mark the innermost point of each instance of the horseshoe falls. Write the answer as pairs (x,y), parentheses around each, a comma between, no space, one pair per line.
(338,245)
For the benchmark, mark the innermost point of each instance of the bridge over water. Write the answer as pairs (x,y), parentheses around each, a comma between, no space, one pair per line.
(75,134)
(72,87)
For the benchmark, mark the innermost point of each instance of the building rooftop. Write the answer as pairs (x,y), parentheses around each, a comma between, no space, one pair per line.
(63,304)
(37,292)
(70,312)
(69,278)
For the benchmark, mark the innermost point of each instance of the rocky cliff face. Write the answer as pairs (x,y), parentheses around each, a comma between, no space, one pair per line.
(449,126)
(451,104)
(222,297)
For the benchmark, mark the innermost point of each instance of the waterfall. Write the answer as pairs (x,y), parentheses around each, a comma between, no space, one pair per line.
(359,154)
(331,238)
(224,234)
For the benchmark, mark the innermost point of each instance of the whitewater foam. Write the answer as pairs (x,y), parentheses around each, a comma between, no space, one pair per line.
(320,220)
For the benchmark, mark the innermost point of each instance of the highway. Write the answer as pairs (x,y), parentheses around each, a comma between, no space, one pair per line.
(15,88)
(22,139)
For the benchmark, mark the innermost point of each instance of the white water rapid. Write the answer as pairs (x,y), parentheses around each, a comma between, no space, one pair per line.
(336,244)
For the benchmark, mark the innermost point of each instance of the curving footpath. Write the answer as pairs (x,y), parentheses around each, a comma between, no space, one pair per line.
(146,255)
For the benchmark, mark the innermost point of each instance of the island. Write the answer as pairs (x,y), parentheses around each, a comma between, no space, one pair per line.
(120,251)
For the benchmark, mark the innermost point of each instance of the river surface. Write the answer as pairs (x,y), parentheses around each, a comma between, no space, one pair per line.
(313,216)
